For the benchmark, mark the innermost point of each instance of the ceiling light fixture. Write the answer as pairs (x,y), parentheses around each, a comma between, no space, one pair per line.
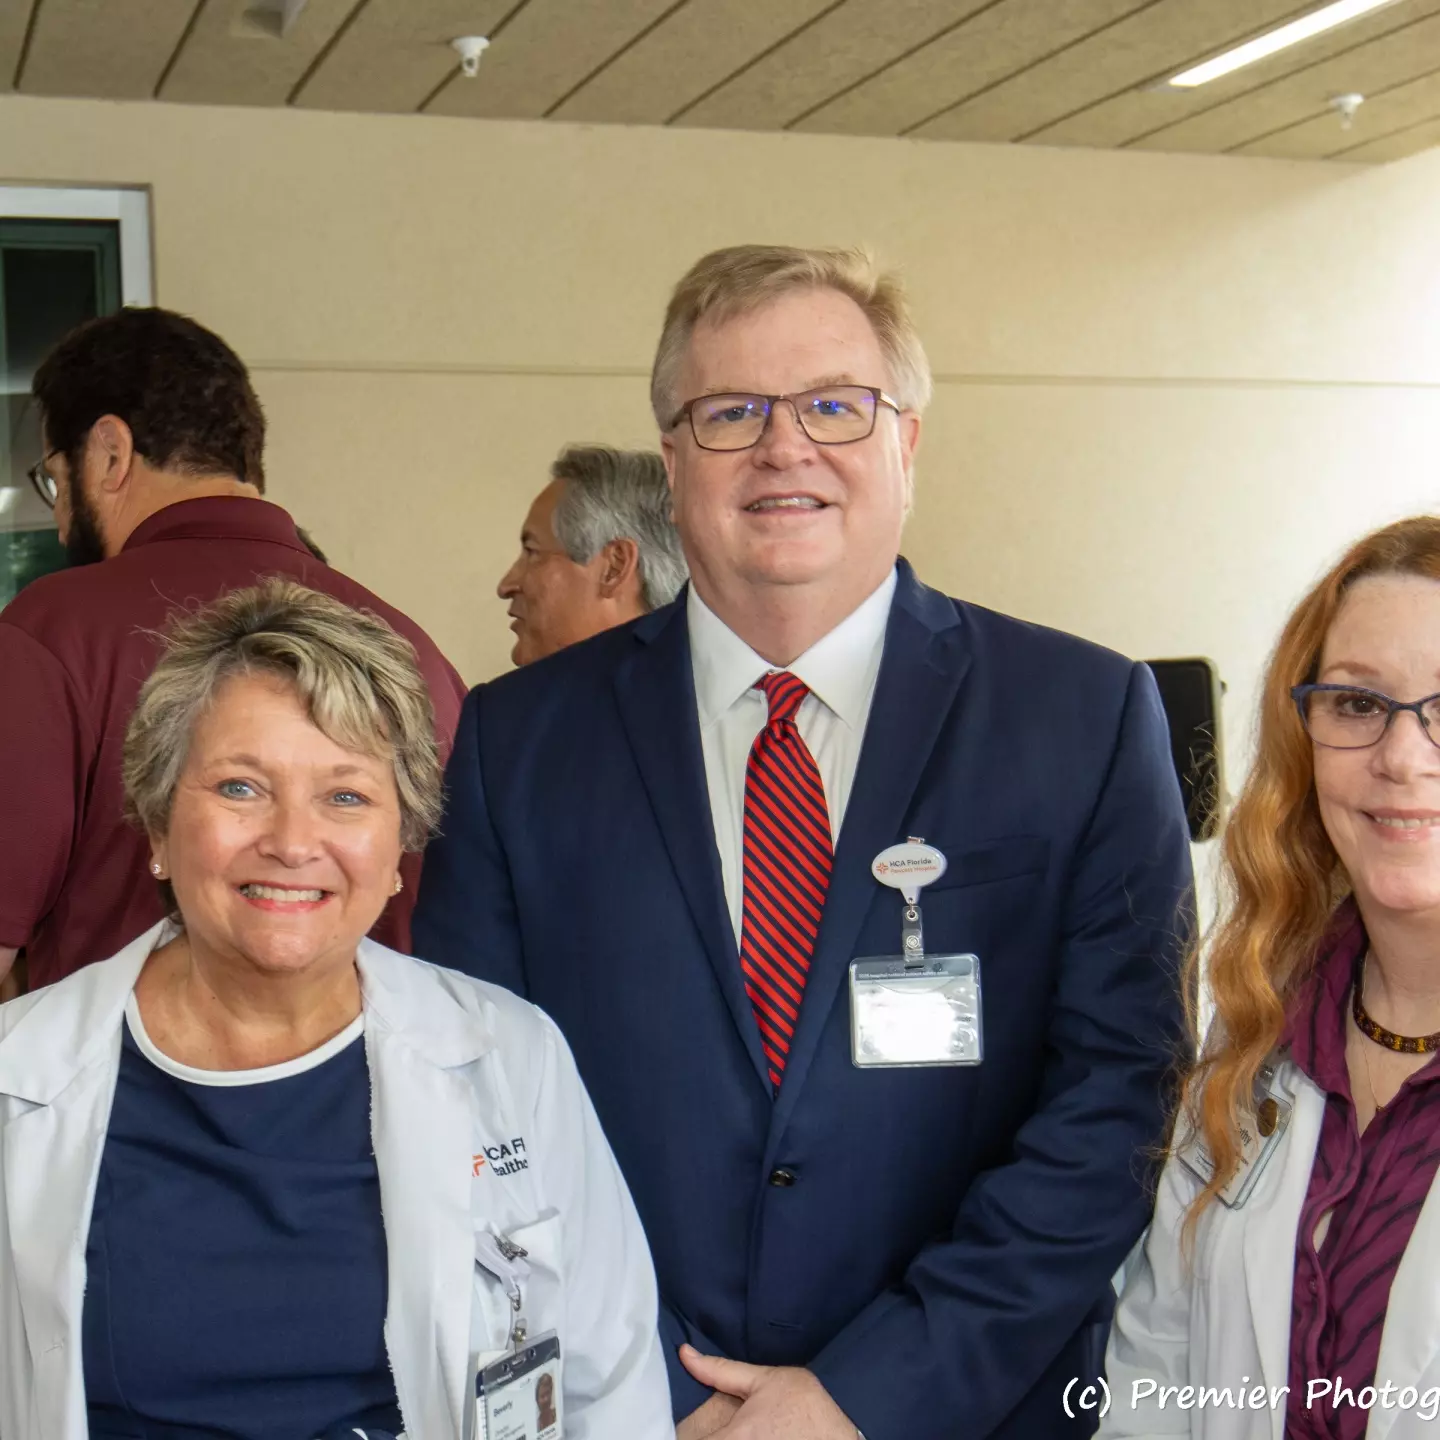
(1305,28)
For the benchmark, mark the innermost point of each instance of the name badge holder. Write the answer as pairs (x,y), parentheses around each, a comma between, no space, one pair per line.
(1260,1135)
(914,1009)
(518,1396)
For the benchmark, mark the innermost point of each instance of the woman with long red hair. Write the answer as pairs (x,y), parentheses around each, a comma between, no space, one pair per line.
(1290,1282)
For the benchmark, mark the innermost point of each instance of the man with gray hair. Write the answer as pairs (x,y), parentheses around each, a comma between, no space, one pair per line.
(598,548)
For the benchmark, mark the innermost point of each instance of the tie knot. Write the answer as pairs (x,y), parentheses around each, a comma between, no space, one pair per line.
(785,692)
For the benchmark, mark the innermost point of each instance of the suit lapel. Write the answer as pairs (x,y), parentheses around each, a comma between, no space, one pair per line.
(655,692)
(924,663)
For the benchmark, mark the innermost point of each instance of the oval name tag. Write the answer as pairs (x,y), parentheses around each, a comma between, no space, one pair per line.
(908,868)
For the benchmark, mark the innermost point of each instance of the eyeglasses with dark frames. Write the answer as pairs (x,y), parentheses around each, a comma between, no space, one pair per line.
(47,487)
(829,415)
(1350,717)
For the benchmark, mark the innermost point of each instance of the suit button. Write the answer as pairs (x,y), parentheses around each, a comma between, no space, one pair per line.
(782,1176)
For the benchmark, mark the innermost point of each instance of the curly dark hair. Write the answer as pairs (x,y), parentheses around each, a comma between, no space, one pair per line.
(184,393)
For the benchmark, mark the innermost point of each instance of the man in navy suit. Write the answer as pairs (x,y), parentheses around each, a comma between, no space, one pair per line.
(664,837)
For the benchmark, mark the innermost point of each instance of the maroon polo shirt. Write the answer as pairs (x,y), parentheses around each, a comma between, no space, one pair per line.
(75,648)
(1373,1185)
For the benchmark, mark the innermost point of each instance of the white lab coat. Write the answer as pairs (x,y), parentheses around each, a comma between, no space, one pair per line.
(1226,1321)
(458,1070)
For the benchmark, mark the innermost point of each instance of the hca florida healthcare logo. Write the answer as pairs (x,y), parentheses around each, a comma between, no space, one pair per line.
(507,1158)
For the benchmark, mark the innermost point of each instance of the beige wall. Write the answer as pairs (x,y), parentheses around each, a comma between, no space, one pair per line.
(1169,387)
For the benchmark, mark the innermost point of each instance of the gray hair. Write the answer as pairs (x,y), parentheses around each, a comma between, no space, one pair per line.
(745,278)
(358,680)
(620,495)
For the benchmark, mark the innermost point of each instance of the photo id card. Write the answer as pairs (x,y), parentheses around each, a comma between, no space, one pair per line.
(1260,1135)
(916,1014)
(518,1396)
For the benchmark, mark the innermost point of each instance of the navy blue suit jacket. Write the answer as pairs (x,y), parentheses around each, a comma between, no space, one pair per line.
(943,1258)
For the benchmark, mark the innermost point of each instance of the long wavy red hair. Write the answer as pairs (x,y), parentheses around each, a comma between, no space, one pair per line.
(1282,877)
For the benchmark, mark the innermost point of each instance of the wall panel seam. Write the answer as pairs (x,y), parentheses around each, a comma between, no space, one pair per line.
(444,369)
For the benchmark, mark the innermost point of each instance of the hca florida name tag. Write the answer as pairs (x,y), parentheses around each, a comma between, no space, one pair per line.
(904,1013)
(518,1396)
(913,1008)
(1260,1134)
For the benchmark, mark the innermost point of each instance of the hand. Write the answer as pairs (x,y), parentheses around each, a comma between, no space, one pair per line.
(779,1402)
(713,1415)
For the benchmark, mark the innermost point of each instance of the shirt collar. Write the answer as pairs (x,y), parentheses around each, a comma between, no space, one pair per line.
(1316,1018)
(839,668)
(218,517)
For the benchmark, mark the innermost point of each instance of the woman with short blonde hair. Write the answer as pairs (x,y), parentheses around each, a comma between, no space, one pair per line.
(1293,1254)
(261,1177)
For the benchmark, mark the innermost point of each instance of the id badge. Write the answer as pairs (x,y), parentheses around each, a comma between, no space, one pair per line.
(1260,1135)
(518,1396)
(904,1013)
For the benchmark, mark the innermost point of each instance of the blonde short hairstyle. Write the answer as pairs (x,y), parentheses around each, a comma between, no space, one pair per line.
(358,680)
(745,278)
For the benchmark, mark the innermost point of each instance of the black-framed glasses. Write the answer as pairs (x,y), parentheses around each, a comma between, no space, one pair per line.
(831,415)
(47,487)
(1349,717)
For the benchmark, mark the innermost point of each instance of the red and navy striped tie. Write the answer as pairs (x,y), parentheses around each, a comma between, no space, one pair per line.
(787,868)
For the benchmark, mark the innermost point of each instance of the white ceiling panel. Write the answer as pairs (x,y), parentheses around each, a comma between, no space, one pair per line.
(849,42)
(1050,72)
(1392,59)
(545,53)
(394,54)
(996,43)
(697,48)
(114,49)
(1138,50)
(236,53)
(1135,114)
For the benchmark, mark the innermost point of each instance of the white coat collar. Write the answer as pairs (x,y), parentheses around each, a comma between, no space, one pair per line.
(1410,1339)
(67,1025)
(59,1054)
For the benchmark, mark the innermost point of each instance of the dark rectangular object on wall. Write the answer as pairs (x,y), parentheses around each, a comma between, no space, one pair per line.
(1191,690)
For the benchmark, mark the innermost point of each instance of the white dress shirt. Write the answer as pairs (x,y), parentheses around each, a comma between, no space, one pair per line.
(840,670)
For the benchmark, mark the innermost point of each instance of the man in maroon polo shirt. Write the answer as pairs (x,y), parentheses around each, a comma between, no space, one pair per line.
(154,440)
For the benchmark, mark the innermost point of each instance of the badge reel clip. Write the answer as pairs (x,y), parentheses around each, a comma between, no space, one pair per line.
(914,1008)
(518,1396)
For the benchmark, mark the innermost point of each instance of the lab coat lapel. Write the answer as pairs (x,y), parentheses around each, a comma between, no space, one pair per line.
(1410,1341)
(422,1123)
(1269,1244)
(924,663)
(58,1067)
(52,1159)
(655,690)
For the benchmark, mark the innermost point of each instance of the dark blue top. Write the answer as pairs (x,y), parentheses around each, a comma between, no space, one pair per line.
(236,1258)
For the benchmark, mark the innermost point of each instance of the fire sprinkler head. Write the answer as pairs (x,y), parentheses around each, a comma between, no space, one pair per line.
(1345,107)
(470,48)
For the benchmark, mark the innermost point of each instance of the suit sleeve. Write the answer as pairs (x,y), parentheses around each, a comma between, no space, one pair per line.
(466,917)
(1150,1341)
(985,1308)
(614,1373)
(687,1394)
(47,749)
